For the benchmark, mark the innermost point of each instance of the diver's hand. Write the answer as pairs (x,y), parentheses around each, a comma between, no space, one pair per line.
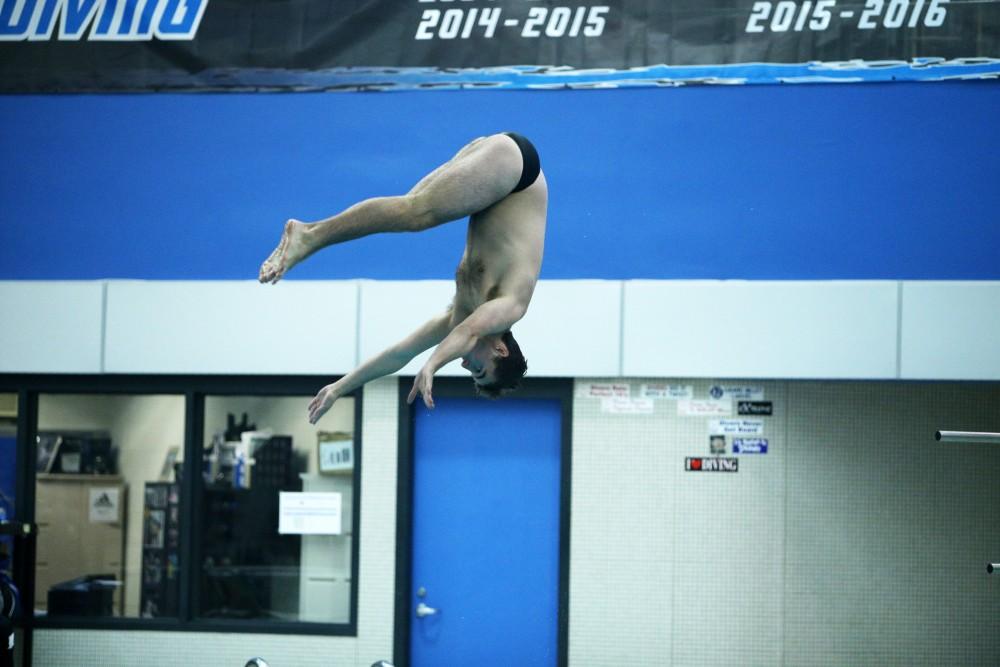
(422,385)
(323,401)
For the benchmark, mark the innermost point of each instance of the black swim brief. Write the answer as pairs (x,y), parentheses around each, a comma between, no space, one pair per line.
(531,166)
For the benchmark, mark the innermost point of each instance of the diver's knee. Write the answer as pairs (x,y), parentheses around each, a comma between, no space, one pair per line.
(417,213)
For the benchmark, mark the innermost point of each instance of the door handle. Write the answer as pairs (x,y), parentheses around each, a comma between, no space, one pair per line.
(424,610)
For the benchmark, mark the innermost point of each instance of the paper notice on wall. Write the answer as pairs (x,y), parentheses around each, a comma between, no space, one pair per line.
(105,504)
(736,426)
(604,390)
(699,408)
(627,406)
(736,393)
(673,392)
(309,513)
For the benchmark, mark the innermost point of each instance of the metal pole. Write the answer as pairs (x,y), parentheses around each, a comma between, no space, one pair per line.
(967,436)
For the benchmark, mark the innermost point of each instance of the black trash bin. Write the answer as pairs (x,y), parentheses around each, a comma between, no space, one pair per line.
(90,595)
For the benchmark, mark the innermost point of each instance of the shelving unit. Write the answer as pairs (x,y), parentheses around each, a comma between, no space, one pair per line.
(160,547)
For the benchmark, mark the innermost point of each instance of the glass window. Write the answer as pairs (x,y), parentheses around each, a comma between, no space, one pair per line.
(8,453)
(276,515)
(8,472)
(107,504)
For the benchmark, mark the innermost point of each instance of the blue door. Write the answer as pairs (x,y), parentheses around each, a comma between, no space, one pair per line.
(485,569)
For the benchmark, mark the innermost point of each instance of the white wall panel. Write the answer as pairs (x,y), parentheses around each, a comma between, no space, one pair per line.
(950,331)
(848,329)
(295,327)
(391,310)
(572,328)
(51,327)
(761,329)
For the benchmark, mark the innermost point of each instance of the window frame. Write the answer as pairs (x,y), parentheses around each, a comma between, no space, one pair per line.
(195,389)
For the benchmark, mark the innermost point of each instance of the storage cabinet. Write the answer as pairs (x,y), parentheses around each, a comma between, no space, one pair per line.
(325,579)
(81,531)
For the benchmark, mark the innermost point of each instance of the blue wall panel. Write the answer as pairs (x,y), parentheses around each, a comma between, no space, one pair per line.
(870,181)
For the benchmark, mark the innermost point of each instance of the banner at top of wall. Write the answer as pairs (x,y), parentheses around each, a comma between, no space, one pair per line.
(99,45)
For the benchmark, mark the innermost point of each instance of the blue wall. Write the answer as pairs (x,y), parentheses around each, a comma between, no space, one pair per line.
(868,181)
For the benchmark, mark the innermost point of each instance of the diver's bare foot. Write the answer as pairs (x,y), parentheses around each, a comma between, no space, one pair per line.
(290,251)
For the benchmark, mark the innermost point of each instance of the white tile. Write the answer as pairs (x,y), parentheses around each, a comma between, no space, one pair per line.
(765,329)
(295,327)
(951,331)
(51,327)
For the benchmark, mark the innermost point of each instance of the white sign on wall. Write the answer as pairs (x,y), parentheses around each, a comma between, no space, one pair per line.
(627,406)
(752,393)
(736,426)
(605,390)
(105,504)
(669,391)
(698,408)
(312,513)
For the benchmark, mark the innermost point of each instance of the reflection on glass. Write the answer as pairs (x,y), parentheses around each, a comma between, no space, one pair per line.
(276,529)
(98,458)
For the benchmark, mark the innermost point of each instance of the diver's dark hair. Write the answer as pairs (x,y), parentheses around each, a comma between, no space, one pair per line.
(509,370)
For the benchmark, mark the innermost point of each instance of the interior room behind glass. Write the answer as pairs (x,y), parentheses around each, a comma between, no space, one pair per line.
(276,530)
